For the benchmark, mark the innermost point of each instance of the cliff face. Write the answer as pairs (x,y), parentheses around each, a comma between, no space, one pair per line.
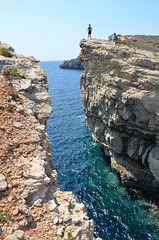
(120,95)
(31,204)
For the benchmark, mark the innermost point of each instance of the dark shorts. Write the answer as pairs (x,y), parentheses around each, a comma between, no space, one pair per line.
(89,32)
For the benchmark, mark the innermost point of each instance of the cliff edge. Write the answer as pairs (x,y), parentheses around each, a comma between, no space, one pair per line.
(120,95)
(31,204)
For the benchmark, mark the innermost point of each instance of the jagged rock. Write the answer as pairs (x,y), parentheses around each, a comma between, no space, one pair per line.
(3,183)
(119,90)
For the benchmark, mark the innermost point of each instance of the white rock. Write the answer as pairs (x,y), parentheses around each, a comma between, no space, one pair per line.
(22,84)
(60,231)
(18,125)
(53,205)
(39,195)
(3,183)
(19,234)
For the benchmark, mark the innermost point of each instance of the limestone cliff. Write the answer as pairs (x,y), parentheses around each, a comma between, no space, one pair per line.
(120,95)
(31,204)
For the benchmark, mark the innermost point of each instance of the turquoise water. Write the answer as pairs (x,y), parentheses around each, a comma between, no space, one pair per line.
(85,170)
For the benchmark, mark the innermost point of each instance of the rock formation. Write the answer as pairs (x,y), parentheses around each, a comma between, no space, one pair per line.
(120,95)
(72,64)
(31,204)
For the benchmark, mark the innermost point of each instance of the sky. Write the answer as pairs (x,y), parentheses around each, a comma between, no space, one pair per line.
(52,29)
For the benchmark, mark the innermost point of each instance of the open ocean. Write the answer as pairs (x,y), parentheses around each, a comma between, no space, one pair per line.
(84,169)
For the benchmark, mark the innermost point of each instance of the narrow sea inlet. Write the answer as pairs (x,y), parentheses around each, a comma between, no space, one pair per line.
(84,169)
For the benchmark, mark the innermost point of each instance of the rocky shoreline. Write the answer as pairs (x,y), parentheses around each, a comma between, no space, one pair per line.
(120,95)
(31,204)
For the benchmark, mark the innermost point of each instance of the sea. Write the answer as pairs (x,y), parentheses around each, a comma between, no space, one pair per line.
(118,213)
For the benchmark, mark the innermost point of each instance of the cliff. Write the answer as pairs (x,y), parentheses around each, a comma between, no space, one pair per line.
(31,204)
(120,95)
(72,64)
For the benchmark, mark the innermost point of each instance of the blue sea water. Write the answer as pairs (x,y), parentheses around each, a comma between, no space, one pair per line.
(85,170)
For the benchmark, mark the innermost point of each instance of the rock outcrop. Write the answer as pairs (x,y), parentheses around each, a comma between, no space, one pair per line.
(72,64)
(31,204)
(120,95)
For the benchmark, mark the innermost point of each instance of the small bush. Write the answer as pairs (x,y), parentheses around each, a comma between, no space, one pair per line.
(15,97)
(70,237)
(5,52)
(97,47)
(13,72)
(3,217)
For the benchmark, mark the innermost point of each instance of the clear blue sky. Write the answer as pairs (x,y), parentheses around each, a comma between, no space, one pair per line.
(52,29)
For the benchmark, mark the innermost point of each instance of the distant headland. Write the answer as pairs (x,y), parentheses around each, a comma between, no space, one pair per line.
(72,64)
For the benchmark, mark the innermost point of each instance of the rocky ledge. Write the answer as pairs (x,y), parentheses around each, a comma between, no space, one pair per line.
(72,64)
(120,95)
(31,204)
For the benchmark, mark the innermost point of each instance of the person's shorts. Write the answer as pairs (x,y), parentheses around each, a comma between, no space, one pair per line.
(116,42)
(89,32)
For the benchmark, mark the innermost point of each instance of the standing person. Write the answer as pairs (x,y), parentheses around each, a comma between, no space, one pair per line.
(89,29)
(115,39)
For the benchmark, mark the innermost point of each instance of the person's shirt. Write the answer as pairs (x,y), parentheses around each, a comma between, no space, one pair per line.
(115,38)
(90,29)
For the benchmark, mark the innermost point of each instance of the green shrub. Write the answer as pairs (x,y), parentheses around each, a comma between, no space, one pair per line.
(13,72)
(3,217)
(70,237)
(5,52)
(97,47)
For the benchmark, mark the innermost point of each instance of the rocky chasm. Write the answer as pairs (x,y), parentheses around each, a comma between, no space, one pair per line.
(120,95)
(31,204)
